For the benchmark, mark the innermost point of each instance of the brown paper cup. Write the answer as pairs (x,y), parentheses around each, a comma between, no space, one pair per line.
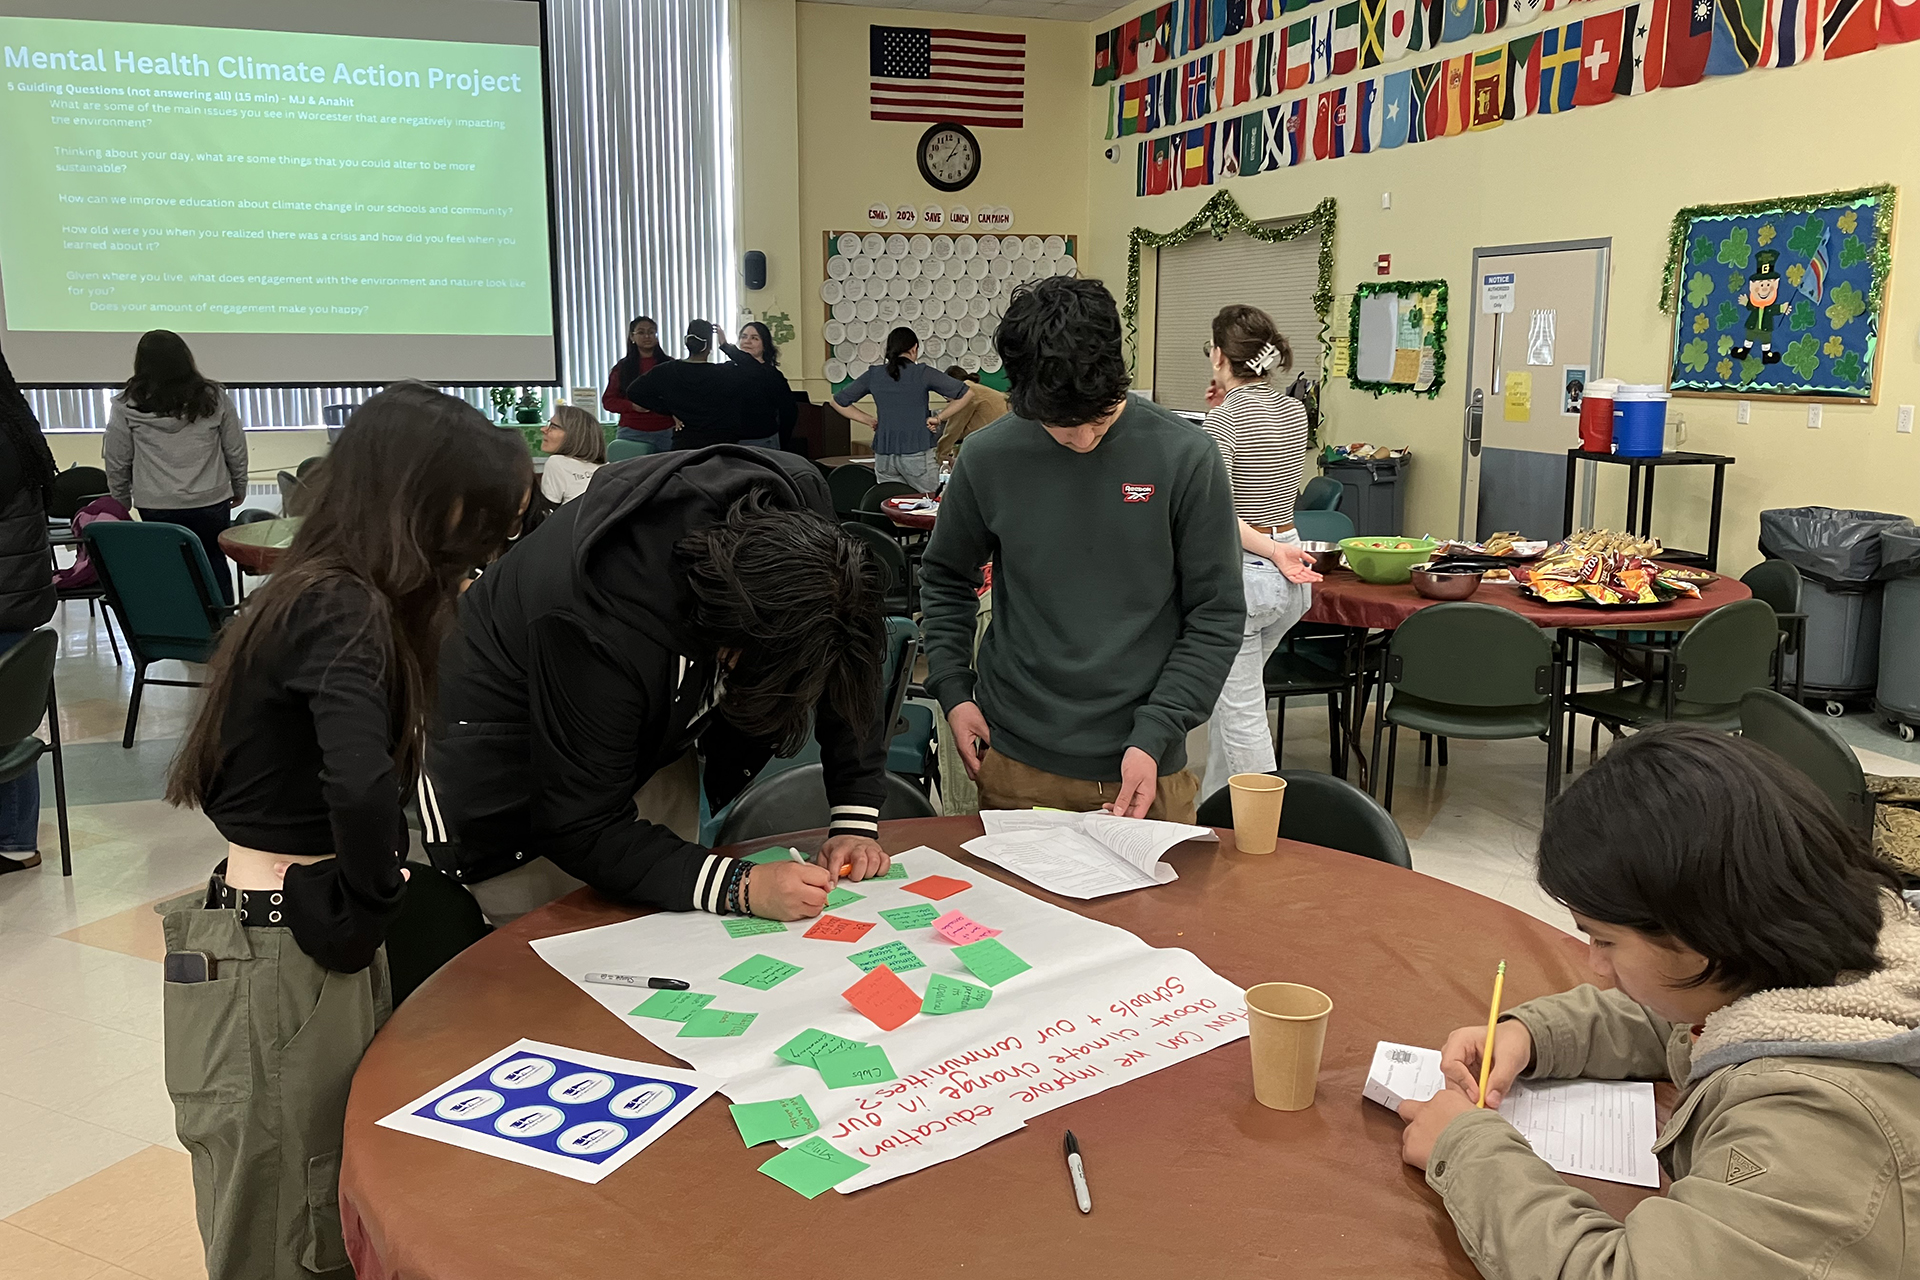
(1257,798)
(1287,1027)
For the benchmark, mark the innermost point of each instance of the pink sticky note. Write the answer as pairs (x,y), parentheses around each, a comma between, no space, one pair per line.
(838,929)
(959,929)
(936,887)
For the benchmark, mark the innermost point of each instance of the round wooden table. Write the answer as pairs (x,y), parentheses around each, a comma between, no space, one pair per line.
(910,519)
(1190,1176)
(256,547)
(1344,600)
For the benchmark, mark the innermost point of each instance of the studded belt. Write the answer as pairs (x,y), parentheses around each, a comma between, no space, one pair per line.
(258,908)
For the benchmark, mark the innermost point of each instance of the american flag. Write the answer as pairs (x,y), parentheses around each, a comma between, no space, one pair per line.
(933,74)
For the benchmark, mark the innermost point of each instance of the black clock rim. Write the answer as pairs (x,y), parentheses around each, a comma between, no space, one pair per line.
(920,156)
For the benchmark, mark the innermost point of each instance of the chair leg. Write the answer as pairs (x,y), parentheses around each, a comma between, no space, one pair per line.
(106,620)
(1426,751)
(1336,714)
(1393,743)
(1443,751)
(1280,737)
(133,703)
(1379,728)
(59,782)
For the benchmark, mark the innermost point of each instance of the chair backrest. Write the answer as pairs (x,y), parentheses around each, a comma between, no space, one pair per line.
(307,465)
(848,483)
(1471,655)
(1324,810)
(159,583)
(253,515)
(73,489)
(1321,526)
(893,561)
(1323,493)
(621,450)
(879,493)
(1804,741)
(903,647)
(796,800)
(1726,653)
(1777,582)
(26,672)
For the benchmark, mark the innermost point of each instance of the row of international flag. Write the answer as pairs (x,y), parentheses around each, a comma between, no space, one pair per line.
(1635,50)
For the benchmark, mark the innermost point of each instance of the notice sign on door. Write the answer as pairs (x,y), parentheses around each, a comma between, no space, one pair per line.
(1496,293)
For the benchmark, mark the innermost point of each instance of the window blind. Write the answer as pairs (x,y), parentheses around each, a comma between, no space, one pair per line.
(1193,281)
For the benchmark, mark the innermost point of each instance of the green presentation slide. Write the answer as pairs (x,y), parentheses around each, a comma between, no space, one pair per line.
(217,180)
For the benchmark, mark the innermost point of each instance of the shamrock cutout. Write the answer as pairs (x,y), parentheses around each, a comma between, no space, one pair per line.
(1795,274)
(1806,237)
(1729,315)
(1847,304)
(1724,369)
(1702,246)
(1802,317)
(1766,235)
(1848,221)
(1852,251)
(1699,289)
(1750,369)
(1734,250)
(1847,368)
(1833,347)
(1694,355)
(1803,356)
(1726,345)
(1700,323)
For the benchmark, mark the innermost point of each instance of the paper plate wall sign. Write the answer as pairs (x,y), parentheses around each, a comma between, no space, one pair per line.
(878,214)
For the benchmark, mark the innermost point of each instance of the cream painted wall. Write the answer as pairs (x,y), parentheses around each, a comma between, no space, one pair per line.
(268,452)
(1619,170)
(767,155)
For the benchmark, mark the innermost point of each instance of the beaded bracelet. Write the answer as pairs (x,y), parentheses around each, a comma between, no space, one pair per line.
(735,897)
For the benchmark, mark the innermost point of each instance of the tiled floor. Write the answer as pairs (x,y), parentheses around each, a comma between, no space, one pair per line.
(97,1186)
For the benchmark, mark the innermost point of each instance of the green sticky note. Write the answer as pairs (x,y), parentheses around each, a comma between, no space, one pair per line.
(894,872)
(990,961)
(769,855)
(950,995)
(674,1006)
(851,1068)
(812,1167)
(917,916)
(762,973)
(895,955)
(717,1022)
(804,1048)
(841,897)
(752,926)
(760,1122)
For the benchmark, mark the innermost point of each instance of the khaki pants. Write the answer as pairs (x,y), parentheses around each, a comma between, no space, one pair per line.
(258,1063)
(1005,783)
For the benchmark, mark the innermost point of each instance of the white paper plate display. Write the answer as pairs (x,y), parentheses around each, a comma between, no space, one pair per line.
(843,311)
(889,310)
(966,286)
(909,268)
(856,331)
(944,326)
(1002,268)
(878,214)
(992,288)
(911,310)
(905,215)
(1066,266)
(921,246)
(943,247)
(990,363)
(838,267)
(979,268)
(989,246)
(1025,268)
(853,288)
(944,289)
(860,268)
(850,245)
(932,349)
(866,309)
(886,268)
(1032,246)
(968,326)
(845,351)
(977,307)
(1011,247)
(896,245)
(830,292)
(898,288)
(873,244)
(870,351)
(959,217)
(1054,246)
(836,332)
(965,247)
(921,288)
(856,367)
(970,362)
(933,216)
(1002,218)
(934,269)
(933,308)
(835,369)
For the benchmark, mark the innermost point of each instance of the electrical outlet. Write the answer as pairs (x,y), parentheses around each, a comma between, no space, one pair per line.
(1743,412)
(1386,199)
(1904,423)
(1813,416)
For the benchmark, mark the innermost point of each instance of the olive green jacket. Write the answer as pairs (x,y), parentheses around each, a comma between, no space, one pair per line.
(1794,1149)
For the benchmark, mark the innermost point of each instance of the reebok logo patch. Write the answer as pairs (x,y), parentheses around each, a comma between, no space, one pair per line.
(1741,1166)
(1135,492)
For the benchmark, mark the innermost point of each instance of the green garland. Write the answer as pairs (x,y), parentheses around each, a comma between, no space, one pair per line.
(1219,217)
(1882,196)
(1401,289)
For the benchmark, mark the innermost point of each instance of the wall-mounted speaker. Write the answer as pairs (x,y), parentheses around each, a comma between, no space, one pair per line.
(756,269)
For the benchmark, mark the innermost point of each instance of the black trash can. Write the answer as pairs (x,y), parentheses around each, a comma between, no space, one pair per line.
(1838,554)
(1373,497)
(1897,697)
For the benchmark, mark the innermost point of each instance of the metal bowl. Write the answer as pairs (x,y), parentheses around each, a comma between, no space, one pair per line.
(1439,582)
(1324,555)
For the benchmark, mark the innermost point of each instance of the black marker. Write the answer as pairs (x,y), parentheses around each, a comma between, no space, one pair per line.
(633,980)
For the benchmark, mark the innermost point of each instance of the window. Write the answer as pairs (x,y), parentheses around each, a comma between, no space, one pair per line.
(1194,280)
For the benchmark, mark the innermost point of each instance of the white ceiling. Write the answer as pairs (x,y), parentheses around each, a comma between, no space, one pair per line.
(1060,10)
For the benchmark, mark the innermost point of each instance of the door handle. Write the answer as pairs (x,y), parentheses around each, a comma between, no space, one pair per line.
(1475,415)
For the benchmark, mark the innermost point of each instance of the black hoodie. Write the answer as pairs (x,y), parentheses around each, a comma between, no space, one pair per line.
(574,676)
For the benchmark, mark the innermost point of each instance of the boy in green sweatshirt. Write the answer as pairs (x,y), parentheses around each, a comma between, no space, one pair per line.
(1117,607)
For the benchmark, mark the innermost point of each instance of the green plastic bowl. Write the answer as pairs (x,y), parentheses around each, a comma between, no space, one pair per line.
(1374,560)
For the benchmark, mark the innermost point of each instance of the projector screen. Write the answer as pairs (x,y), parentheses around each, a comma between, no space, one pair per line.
(312,192)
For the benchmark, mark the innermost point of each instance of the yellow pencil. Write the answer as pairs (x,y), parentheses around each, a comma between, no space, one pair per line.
(1493,1016)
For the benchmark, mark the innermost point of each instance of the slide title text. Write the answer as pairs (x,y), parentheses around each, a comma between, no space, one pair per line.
(230,67)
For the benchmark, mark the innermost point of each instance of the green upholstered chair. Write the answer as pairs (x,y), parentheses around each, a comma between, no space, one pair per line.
(1809,744)
(1322,493)
(1728,652)
(621,450)
(1324,810)
(1321,526)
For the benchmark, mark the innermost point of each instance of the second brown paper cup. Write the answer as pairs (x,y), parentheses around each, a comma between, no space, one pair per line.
(1287,1029)
(1257,798)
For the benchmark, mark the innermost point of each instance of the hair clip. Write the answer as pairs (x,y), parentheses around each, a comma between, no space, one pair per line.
(1267,357)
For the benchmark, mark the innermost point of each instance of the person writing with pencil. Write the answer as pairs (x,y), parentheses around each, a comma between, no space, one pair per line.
(1761,959)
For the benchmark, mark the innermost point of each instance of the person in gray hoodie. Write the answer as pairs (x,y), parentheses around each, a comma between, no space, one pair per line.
(175,449)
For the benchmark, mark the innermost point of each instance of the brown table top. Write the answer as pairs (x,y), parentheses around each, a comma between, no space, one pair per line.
(257,545)
(1346,601)
(1190,1176)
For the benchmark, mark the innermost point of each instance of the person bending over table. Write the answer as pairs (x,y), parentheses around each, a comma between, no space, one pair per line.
(302,753)
(984,404)
(695,599)
(1117,606)
(1766,963)
(905,428)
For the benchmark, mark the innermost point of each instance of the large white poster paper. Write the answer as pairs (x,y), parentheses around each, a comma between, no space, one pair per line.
(1098,1008)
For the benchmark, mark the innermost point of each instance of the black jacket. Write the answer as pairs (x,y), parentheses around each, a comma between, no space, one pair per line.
(26,570)
(776,408)
(574,676)
(716,403)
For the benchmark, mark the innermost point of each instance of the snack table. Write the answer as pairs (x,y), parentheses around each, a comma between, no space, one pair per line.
(1190,1176)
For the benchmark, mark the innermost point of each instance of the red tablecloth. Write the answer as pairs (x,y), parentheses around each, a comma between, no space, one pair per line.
(1346,601)
(909,519)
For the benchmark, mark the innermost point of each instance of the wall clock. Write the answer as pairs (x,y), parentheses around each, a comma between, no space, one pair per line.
(949,156)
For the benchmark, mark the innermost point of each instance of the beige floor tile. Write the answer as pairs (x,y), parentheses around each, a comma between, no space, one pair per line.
(104,987)
(137,1213)
(133,932)
(25,1256)
(126,854)
(44,1151)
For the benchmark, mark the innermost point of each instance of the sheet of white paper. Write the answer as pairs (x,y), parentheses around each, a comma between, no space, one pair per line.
(1590,1128)
(1098,1008)
(1082,855)
(1403,1073)
(578,1114)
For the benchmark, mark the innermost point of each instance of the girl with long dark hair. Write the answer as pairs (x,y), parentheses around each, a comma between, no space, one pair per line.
(26,589)
(314,723)
(175,448)
(904,428)
(760,357)
(644,352)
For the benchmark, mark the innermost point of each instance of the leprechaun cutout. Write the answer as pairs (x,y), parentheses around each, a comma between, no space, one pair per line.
(1761,298)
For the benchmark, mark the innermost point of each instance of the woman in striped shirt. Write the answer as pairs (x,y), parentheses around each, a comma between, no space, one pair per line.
(1262,434)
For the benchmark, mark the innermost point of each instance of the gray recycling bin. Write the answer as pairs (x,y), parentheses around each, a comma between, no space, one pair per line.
(1897,696)
(1373,496)
(1838,553)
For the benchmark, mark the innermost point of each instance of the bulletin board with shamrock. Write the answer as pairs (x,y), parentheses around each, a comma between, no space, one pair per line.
(1780,298)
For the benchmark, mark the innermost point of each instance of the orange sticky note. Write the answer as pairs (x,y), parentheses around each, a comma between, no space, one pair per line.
(886,1001)
(936,887)
(838,929)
